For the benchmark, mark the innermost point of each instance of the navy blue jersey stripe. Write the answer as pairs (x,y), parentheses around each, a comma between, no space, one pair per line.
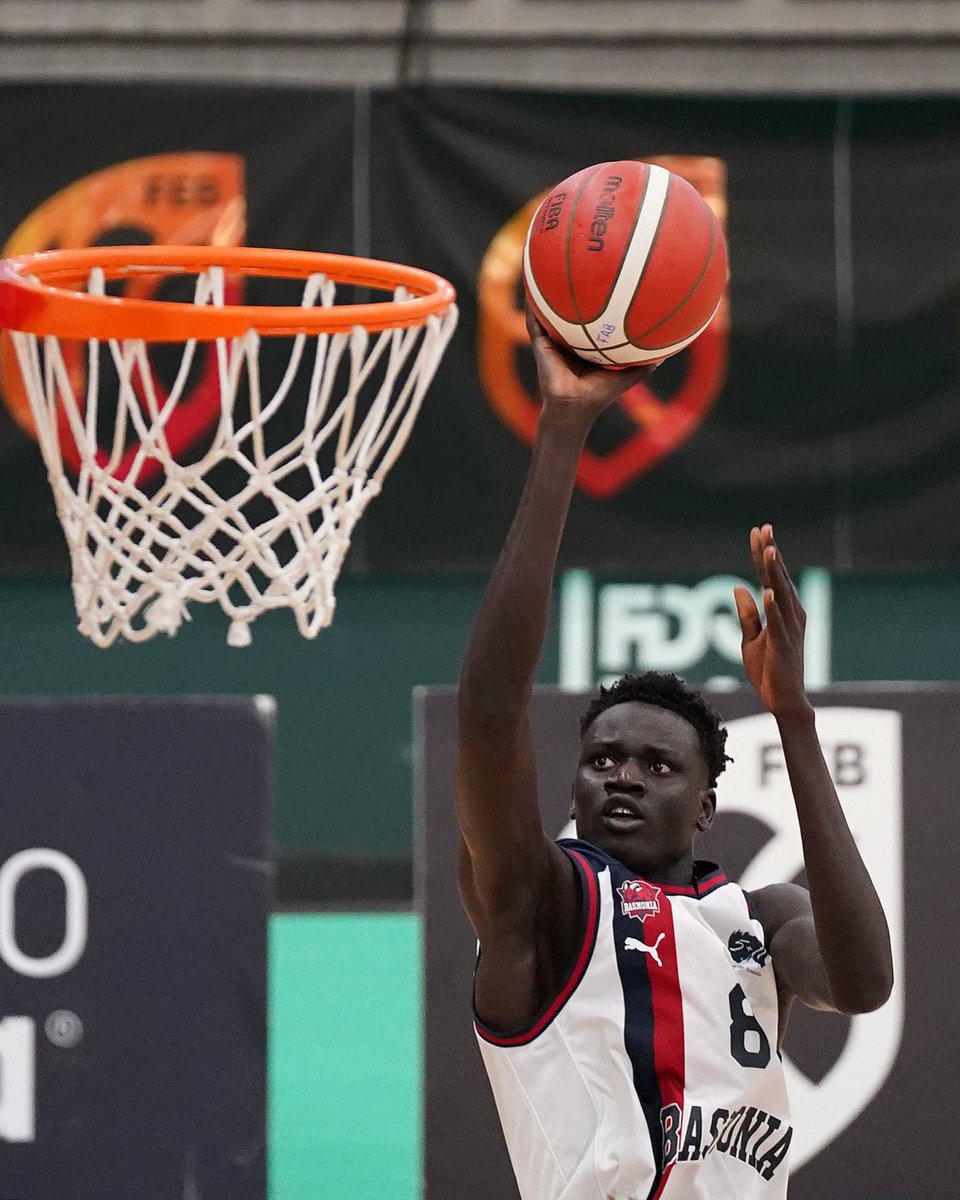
(638,1030)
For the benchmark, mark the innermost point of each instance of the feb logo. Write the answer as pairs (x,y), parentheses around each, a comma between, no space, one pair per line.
(657,417)
(864,750)
(187,199)
(639,899)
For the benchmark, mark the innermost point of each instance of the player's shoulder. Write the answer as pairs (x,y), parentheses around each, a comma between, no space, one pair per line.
(585,854)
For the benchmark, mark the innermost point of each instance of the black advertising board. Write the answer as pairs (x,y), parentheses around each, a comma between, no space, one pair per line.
(863,1089)
(135,881)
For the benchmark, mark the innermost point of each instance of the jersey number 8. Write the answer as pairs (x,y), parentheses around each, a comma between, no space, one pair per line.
(749,1051)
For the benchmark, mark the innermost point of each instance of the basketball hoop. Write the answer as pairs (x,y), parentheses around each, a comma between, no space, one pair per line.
(149,526)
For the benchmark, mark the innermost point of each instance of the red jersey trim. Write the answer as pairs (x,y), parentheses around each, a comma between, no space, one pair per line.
(669,1047)
(583,958)
(703,887)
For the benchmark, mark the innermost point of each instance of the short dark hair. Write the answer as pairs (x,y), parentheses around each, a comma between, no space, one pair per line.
(665,690)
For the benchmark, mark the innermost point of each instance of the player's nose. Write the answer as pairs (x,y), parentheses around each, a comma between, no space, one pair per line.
(626,776)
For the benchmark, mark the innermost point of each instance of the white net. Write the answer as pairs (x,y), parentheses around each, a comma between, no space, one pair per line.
(143,552)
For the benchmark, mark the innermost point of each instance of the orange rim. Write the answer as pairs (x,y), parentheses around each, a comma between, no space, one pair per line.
(36,295)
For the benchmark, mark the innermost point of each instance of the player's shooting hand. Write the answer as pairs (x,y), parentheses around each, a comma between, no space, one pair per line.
(773,650)
(569,381)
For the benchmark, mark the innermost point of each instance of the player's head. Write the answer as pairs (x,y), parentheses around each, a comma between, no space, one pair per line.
(665,690)
(651,750)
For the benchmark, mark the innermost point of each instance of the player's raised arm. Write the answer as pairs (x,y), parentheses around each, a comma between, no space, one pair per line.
(506,857)
(831,948)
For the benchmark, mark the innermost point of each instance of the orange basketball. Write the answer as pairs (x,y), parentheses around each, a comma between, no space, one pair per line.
(625,263)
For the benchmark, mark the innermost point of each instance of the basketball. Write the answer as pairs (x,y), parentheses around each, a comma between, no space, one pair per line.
(625,263)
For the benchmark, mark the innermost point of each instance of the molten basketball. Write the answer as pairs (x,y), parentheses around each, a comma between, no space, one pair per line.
(625,263)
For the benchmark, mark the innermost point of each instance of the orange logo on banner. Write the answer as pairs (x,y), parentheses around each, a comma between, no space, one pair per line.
(662,423)
(188,198)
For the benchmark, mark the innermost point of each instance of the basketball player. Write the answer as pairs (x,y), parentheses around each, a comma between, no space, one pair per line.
(629,1000)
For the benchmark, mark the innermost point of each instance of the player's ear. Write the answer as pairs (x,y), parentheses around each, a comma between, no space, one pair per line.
(708,809)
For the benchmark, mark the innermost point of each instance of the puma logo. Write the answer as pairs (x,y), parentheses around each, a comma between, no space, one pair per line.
(635,944)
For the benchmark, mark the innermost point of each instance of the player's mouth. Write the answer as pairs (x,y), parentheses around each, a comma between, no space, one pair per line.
(621,815)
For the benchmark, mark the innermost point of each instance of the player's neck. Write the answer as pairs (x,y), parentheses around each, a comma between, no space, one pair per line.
(675,873)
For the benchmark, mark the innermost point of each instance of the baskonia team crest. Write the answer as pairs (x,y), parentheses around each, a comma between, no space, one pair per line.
(639,899)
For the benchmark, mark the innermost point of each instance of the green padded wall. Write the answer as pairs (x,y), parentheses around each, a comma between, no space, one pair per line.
(344,1057)
(344,725)
(344,729)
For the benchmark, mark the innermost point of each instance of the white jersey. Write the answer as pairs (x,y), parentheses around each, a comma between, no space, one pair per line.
(655,1072)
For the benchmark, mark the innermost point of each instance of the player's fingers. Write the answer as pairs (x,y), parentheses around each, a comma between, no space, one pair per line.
(782,583)
(776,579)
(550,356)
(540,340)
(768,538)
(756,550)
(534,328)
(771,610)
(748,614)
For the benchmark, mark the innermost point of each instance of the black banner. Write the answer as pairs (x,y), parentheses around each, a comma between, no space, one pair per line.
(824,397)
(859,1131)
(134,891)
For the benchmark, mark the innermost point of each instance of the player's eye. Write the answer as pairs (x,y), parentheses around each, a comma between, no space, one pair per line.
(659,767)
(602,761)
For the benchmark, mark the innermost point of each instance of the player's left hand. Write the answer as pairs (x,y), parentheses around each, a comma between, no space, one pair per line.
(773,651)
